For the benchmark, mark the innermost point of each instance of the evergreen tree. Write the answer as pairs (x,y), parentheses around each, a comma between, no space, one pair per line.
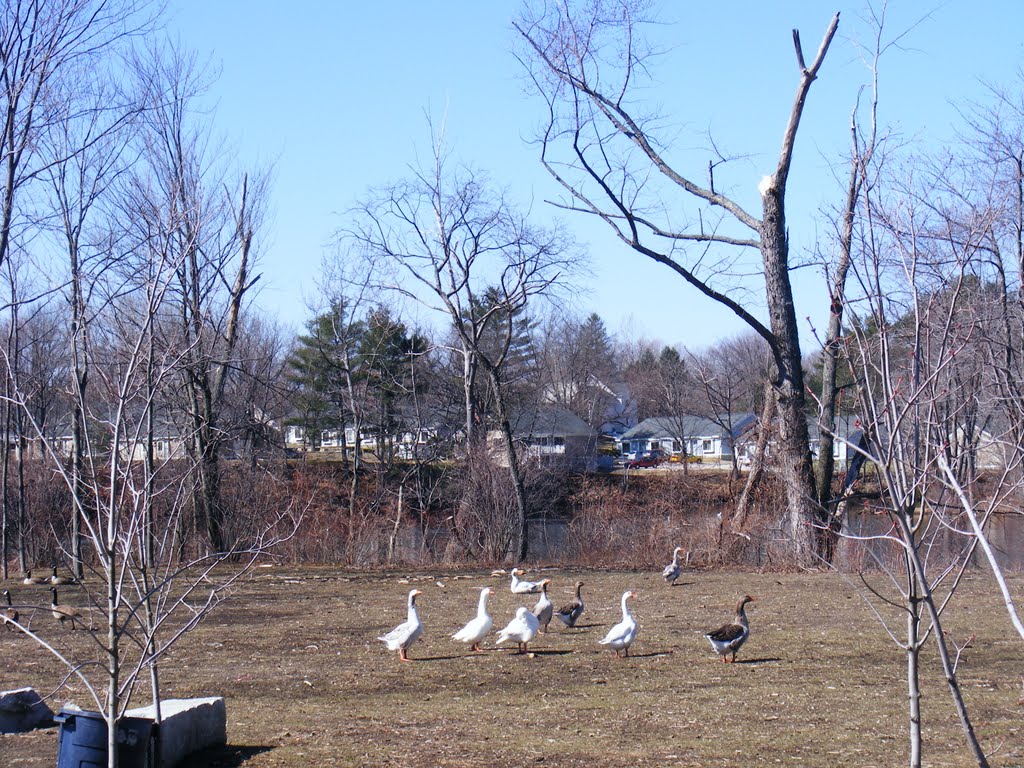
(387,356)
(320,366)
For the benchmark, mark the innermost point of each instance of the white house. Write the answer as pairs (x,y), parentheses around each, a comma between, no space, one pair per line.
(551,433)
(695,436)
(847,432)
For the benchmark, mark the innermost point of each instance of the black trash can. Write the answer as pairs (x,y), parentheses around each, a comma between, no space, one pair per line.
(82,740)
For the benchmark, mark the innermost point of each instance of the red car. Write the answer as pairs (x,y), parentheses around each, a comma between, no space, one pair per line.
(646,459)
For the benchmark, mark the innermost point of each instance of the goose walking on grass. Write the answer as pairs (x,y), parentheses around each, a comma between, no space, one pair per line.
(672,570)
(622,635)
(544,608)
(64,613)
(478,627)
(522,629)
(729,637)
(408,632)
(7,613)
(520,587)
(570,613)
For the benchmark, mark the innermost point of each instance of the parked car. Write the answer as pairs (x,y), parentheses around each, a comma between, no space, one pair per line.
(646,459)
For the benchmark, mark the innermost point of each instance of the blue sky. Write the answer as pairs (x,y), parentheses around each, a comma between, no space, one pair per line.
(335,96)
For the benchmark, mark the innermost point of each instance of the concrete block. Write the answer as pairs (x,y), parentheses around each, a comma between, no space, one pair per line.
(22,710)
(188,725)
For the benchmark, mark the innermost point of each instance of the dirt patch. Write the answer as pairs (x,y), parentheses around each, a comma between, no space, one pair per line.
(818,684)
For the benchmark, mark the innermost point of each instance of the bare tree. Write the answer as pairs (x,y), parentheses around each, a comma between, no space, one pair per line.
(864,142)
(466,252)
(586,62)
(86,151)
(45,47)
(914,353)
(579,367)
(211,219)
(34,365)
(52,53)
(675,394)
(732,376)
(141,594)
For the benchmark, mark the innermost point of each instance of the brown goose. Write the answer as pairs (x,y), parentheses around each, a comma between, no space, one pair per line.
(570,613)
(8,614)
(544,608)
(30,579)
(729,637)
(64,613)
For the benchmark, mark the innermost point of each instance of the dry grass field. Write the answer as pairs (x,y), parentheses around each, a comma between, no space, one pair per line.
(818,684)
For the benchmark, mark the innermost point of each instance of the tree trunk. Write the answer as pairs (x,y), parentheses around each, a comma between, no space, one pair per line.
(110,564)
(357,453)
(78,485)
(469,367)
(794,457)
(5,516)
(913,672)
(212,508)
(522,522)
(830,351)
(917,573)
(757,462)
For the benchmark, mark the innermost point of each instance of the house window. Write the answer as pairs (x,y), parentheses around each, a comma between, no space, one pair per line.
(558,440)
(706,446)
(655,445)
(676,446)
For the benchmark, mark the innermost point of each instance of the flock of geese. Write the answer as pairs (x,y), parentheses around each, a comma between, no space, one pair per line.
(527,623)
(64,614)
(522,629)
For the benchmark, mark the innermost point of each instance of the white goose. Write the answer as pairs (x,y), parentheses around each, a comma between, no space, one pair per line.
(520,587)
(622,635)
(522,629)
(405,634)
(477,628)
(672,570)
(544,607)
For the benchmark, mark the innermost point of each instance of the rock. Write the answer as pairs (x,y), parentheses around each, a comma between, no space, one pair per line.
(188,725)
(22,710)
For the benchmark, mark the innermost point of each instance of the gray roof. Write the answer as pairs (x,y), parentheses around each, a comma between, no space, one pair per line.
(686,426)
(550,420)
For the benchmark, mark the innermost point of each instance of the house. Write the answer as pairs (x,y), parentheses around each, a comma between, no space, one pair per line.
(847,434)
(621,412)
(551,433)
(408,443)
(168,441)
(615,405)
(695,436)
